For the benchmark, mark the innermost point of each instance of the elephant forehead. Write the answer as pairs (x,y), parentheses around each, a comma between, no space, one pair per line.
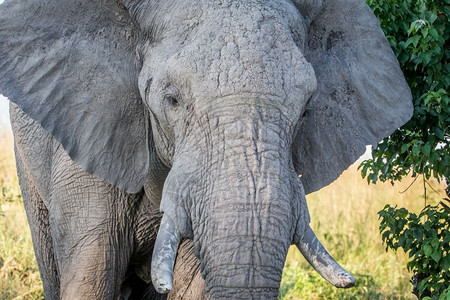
(247,48)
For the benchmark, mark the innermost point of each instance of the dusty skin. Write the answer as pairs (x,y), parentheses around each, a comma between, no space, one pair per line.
(203,112)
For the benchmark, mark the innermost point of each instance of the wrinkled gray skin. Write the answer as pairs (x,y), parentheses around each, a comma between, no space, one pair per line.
(207,110)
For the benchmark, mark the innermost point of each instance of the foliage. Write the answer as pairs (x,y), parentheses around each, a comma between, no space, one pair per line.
(418,32)
(427,238)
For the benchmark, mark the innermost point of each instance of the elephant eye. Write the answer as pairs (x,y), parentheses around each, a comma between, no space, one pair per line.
(171,100)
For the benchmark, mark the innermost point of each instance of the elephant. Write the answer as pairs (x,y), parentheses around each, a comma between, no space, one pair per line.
(149,128)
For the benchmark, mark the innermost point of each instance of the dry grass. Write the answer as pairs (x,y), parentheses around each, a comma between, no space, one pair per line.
(344,217)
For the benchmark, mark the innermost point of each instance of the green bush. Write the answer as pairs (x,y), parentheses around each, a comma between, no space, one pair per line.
(418,32)
(427,238)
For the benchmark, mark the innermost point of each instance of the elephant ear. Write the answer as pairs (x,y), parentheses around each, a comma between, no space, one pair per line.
(361,94)
(70,65)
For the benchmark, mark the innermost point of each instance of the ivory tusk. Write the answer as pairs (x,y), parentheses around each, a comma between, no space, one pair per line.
(164,254)
(322,262)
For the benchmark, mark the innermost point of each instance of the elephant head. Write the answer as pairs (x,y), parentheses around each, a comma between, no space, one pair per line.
(237,98)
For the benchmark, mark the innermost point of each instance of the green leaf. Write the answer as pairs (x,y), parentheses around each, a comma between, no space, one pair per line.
(432,17)
(435,243)
(373,177)
(433,32)
(426,149)
(416,149)
(445,295)
(426,58)
(436,255)
(422,284)
(415,40)
(404,148)
(427,249)
(445,263)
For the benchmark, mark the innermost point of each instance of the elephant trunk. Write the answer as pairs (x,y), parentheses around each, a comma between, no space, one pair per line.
(245,221)
(243,236)
(242,203)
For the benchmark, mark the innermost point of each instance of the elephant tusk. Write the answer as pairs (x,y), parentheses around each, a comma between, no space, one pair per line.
(164,254)
(322,262)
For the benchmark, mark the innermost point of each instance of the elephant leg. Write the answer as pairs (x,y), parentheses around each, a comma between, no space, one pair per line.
(33,149)
(187,280)
(91,223)
(37,215)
